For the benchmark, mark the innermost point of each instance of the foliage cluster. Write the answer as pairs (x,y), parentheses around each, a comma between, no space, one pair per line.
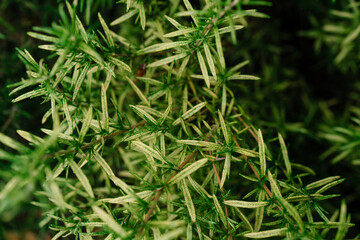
(148,134)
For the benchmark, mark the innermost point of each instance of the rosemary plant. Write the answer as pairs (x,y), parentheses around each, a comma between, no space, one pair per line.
(339,31)
(148,138)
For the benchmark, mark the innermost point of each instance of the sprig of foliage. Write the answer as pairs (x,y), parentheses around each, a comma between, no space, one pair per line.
(339,33)
(164,153)
(345,141)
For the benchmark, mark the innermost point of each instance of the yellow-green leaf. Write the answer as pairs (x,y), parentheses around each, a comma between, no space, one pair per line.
(203,68)
(245,204)
(285,155)
(188,170)
(189,113)
(82,177)
(85,125)
(262,154)
(110,221)
(138,91)
(103,164)
(162,46)
(107,31)
(124,17)
(167,60)
(188,200)
(210,60)
(267,233)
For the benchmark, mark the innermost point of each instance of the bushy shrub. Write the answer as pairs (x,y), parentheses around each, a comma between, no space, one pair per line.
(149,139)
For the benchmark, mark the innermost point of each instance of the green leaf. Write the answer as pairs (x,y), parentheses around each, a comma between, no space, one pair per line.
(144,115)
(286,205)
(183,67)
(141,147)
(188,170)
(203,69)
(341,232)
(162,46)
(58,134)
(219,48)
(120,64)
(180,32)
(92,53)
(210,60)
(107,31)
(27,56)
(267,234)
(190,9)
(199,188)
(174,22)
(329,185)
(230,29)
(43,37)
(303,168)
(188,200)
(259,214)
(285,155)
(82,177)
(208,145)
(79,80)
(67,115)
(30,137)
(104,108)
(142,14)
(164,116)
(167,60)
(129,198)
(120,183)
(223,100)
(262,154)
(124,17)
(86,124)
(321,182)
(81,30)
(11,143)
(226,170)
(224,129)
(274,187)
(246,152)
(103,164)
(220,211)
(243,217)
(352,36)
(245,204)
(138,91)
(31,94)
(189,113)
(151,81)
(173,234)
(243,77)
(110,222)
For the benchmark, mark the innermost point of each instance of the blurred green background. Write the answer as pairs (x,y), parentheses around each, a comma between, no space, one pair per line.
(307,55)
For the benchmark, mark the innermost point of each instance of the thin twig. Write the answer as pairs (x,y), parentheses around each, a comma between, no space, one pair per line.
(249,128)
(14,109)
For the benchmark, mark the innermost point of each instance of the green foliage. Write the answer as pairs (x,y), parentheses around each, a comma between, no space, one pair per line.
(339,31)
(165,152)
